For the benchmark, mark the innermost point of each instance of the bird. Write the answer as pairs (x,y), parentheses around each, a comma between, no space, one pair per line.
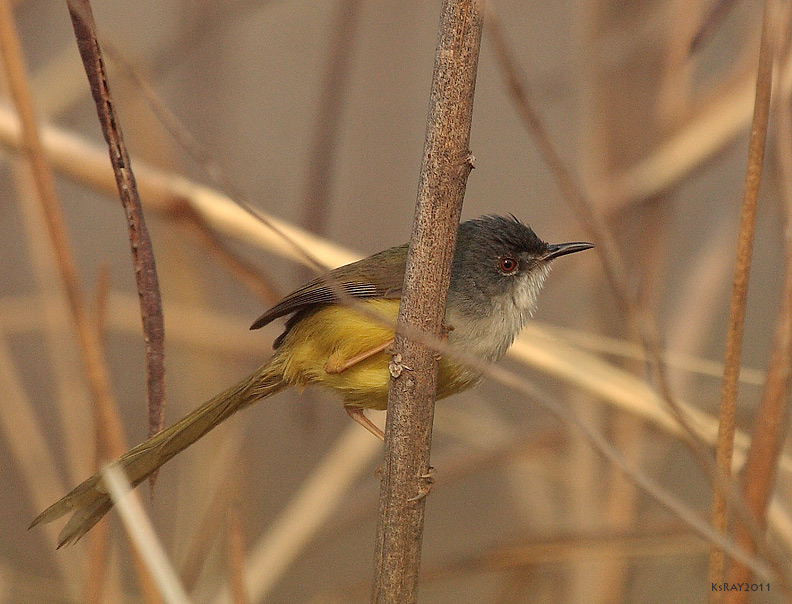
(498,269)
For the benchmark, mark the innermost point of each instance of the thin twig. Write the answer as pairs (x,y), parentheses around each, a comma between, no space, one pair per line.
(447,162)
(742,267)
(139,239)
(93,360)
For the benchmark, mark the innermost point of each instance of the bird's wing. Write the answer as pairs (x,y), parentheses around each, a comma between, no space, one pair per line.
(377,276)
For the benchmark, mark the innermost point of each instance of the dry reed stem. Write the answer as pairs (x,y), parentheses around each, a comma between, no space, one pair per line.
(560,550)
(318,498)
(82,161)
(221,333)
(93,360)
(236,557)
(67,383)
(92,356)
(772,414)
(208,528)
(324,144)
(99,541)
(27,443)
(139,239)
(690,364)
(165,193)
(640,321)
(734,336)
(141,533)
(725,117)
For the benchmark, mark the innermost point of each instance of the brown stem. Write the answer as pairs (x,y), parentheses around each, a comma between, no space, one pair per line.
(639,319)
(91,353)
(772,414)
(742,267)
(140,242)
(447,162)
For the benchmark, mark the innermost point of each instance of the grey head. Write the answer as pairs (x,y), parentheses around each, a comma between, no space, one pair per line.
(499,267)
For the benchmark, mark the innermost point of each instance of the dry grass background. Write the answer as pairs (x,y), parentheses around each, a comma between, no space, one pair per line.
(323,130)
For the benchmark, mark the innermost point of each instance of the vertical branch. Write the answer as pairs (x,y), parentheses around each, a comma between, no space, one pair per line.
(772,414)
(447,162)
(140,242)
(91,353)
(742,267)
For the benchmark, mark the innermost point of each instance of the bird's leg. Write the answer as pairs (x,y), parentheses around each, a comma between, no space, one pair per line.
(336,365)
(357,414)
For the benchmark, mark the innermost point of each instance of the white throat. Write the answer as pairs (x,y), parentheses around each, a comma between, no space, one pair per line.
(490,334)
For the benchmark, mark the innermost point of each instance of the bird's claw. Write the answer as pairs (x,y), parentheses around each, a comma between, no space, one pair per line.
(428,481)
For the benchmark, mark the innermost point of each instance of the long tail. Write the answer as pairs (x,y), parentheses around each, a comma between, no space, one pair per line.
(90,500)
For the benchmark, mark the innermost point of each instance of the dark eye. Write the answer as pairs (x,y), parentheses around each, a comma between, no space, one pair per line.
(508,264)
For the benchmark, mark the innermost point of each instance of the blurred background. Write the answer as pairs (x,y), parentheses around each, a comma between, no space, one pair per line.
(316,112)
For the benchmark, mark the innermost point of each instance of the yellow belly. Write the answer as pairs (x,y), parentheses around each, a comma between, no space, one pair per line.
(334,334)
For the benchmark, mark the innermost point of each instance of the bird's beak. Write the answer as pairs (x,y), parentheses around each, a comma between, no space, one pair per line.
(555,250)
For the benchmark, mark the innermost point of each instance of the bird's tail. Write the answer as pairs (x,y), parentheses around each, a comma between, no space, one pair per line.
(90,500)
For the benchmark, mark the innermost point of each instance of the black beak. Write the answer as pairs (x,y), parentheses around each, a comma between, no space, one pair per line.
(555,250)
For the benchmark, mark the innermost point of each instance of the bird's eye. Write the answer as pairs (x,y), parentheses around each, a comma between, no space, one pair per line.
(508,264)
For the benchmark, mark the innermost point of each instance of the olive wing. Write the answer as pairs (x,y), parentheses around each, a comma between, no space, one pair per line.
(377,276)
